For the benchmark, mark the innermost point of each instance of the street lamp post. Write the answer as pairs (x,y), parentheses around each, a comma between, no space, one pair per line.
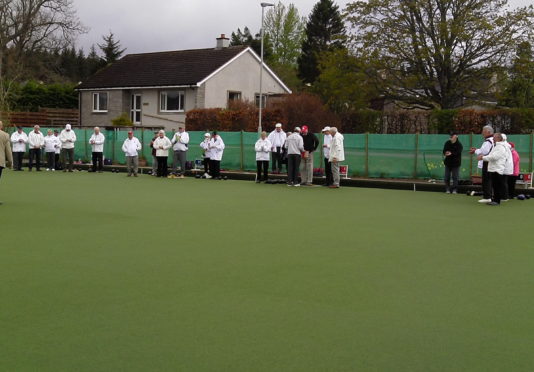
(263,6)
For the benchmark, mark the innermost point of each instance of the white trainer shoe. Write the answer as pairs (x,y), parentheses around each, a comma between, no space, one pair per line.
(485,201)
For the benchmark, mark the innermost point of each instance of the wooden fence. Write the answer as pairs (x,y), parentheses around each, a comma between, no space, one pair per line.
(44,117)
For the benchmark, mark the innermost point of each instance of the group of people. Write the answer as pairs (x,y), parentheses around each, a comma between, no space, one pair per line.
(498,161)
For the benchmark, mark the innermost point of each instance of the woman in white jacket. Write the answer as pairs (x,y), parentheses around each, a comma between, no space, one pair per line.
(496,164)
(337,155)
(263,148)
(52,143)
(162,145)
(216,147)
(205,146)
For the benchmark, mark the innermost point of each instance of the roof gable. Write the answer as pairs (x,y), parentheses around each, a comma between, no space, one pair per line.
(177,68)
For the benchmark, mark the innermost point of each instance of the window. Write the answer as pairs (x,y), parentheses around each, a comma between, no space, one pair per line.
(234,96)
(135,112)
(172,101)
(257,100)
(100,102)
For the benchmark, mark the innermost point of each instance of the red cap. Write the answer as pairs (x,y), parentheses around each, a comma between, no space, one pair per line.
(304,128)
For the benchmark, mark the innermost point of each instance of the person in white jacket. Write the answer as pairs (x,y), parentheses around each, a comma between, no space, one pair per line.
(206,153)
(36,144)
(327,141)
(508,167)
(277,138)
(131,147)
(97,148)
(67,138)
(336,156)
(216,146)
(485,149)
(51,144)
(162,144)
(180,142)
(57,163)
(262,147)
(496,163)
(19,139)
(295,147)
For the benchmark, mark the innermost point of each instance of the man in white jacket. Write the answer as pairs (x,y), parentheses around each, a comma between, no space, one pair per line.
(496,163)
(277,138)
(216,147)
(263,148)
(485,149)
(327,141)
(180,142)
(508,167)
(52,143)
(162,145)
(336,156)
(97,148)
(36,143)
(19,139)
(295,147)
(206,153)
(131,147)
(67,138)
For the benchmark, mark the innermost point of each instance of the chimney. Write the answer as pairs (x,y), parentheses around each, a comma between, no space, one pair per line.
(222,42)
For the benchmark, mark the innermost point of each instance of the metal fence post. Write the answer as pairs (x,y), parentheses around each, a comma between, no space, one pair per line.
(367,154)
(242,152)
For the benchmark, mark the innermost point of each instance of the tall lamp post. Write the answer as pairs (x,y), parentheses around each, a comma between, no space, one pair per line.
(263,6)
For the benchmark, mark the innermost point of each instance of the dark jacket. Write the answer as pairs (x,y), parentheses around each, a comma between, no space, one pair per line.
(311,142)
(455,159)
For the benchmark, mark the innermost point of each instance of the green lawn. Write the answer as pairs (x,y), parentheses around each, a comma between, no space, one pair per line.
(99,272)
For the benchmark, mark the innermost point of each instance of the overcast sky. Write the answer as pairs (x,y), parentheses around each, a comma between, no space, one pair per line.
(159,25)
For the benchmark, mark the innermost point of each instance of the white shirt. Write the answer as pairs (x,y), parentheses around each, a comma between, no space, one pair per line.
(497,158)
(336,148)
(216,148)
(262,148)
(58,149)
(52,143)
(99,139)
(131,146)
(327,140)
(19,141)
(277,139)
(205,146)
(484,150)
(180,141)
(162,142)
(35,140)
(67,139)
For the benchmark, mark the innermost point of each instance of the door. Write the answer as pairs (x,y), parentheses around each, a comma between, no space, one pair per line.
(135,113)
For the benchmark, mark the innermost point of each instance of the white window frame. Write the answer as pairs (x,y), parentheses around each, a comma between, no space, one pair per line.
(96,103)
(163,100)
(257,100)
(134,109)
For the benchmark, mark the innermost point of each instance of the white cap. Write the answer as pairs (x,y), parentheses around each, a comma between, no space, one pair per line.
(279,125)
(504,138)
(68,127)
(326,129)
(297,129)
(207,135)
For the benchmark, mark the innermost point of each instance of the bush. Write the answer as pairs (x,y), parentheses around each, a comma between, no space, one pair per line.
(442,121)
(122,121)
(361,121)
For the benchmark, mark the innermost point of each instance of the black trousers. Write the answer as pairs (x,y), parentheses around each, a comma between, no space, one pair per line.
(98,158)
(70,154)
(51,160)
(262,166)
(17,160)
(56,162)
(35,155)
(277,160)
(486,181)
(1,169)
(497,180)
(328,172)
(293,164)
(511,180)
(207,165)
(215,168)
(162,166)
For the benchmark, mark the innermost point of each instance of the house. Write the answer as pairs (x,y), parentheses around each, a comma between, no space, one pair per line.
(157,89)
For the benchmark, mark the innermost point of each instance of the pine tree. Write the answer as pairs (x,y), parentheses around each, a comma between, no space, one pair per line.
(111,48)
(325,31)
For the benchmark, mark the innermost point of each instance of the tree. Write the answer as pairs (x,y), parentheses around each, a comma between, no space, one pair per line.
(28,26)
(343,83)
(245,38)
(111,48)
(285,29)
(325,31)
(432,52)
(519,90)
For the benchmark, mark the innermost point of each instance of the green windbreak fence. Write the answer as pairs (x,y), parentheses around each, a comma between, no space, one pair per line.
(367,155)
